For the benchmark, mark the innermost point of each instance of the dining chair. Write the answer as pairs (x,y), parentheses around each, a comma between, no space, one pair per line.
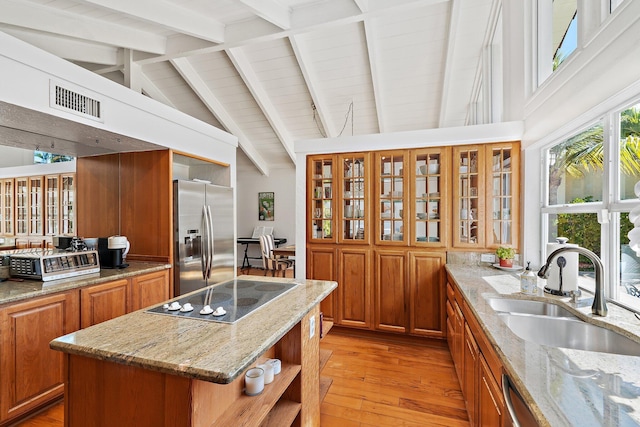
(271,262)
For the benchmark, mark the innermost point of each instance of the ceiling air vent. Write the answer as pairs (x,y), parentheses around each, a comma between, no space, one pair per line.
(74,102)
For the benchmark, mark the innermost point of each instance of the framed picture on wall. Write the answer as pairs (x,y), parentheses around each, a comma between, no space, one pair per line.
(265,206)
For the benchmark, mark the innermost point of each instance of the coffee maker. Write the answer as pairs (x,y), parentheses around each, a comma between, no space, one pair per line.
(113,251)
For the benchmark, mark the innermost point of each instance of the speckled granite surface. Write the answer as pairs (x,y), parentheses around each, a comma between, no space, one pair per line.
(209,351)
(563,387)
(11,291)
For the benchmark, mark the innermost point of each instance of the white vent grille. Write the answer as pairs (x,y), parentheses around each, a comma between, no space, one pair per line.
(68,100)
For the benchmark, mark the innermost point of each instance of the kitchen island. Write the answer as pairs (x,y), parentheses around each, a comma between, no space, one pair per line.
(560,386)
(145,369)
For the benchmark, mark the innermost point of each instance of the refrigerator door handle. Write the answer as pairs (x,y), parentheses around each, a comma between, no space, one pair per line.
(204,245)
(211,240)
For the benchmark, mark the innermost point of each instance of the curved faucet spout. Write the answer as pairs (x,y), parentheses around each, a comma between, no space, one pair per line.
(599,307)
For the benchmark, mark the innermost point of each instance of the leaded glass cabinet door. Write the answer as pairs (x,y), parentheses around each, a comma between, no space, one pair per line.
(321,214)
(503,195)
(431,169)
(353,197)
(67,204)
(7,206)
(52,205)
(22,205)
(35,205)
(468,196)
(390,198)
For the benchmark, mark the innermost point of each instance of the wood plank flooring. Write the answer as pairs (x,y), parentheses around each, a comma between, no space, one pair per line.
(380,381)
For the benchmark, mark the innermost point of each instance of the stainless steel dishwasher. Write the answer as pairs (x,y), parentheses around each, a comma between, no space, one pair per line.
(519,412)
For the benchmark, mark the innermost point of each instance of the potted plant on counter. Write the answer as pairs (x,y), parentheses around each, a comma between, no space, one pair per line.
(505,255)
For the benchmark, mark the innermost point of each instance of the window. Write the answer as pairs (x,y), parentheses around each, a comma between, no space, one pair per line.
(44,157)
(590,192)
(565,30)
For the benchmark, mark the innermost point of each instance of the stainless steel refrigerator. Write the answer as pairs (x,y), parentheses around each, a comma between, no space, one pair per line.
(203,235)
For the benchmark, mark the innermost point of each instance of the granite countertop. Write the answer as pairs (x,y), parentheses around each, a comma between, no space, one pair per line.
(562,387)
(14,291)
(209,351)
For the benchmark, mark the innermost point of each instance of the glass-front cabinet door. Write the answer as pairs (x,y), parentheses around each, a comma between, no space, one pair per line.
(429,204)
(35,205)
(67,204)
(52,205)
(390,197)
(468,201)
(353,196)
(320,215)
(503,195)
(7,206)
(22,205)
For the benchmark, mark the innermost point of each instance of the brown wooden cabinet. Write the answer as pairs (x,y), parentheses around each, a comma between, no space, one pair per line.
(470,383)
(32,373)
(149,289)
(478,367)
(486,195)
(6,206)
(102,302)
(390,297)
(491,406)
(321,265)
(426,293)
(354,289)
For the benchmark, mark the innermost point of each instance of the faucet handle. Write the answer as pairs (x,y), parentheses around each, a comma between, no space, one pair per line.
(575,295)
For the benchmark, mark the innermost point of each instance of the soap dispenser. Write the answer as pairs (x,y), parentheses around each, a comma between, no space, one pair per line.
(528,282)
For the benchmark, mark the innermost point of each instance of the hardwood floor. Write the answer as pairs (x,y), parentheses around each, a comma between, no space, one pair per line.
(377,381)
(384,382)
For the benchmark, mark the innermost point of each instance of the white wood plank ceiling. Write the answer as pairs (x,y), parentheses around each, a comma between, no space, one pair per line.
(275,71)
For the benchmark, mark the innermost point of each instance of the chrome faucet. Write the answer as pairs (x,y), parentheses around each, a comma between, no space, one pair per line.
(599,307)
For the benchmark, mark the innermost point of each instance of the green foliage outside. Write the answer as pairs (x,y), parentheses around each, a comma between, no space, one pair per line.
(584,230)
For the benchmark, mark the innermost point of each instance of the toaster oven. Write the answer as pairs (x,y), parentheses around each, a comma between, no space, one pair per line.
(48,265)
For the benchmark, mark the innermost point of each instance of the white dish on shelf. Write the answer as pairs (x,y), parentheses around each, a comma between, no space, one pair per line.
(514,268)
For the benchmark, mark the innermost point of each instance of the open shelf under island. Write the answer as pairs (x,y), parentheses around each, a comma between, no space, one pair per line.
(143,369)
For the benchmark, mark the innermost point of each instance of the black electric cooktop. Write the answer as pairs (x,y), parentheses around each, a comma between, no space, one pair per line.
(237,297)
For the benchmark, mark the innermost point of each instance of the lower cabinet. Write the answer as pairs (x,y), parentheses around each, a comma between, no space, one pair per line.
(478,367)
(149,289)
(390,290)
(32,374)
(354,289)
(321,265)
(102,302)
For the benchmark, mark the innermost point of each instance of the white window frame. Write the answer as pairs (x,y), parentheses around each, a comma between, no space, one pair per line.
(609,209)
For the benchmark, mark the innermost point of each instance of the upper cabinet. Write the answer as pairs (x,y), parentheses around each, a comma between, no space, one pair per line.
(503,195)
(6,206)
(353,195)
(37,205)
(430,169)
(486,195)
(321,207)
(461,197)
(390,197)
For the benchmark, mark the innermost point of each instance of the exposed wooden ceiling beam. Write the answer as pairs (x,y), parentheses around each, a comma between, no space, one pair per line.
(67,48)
(69,24)
(372,50)
(167,15)
(454,17)
(331,13)
(270,11)
(244,68)
(319,102)
(193,79)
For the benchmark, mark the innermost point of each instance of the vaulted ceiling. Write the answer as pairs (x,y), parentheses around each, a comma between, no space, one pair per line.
(275,71)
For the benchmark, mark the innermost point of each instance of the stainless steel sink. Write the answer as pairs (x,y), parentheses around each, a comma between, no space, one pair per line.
(566,332)
(523,306)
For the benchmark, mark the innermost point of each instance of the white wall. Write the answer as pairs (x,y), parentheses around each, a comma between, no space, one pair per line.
(249,183)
